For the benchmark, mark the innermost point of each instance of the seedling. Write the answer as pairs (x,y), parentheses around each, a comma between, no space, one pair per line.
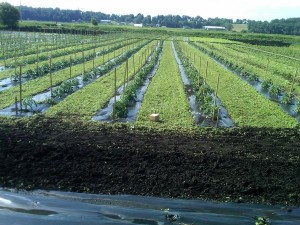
(170,217)
(29,102)
(261,221)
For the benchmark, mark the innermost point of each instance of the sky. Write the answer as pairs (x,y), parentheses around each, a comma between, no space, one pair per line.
(231,9)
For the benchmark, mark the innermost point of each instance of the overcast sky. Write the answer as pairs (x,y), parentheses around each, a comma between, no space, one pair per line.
(231,9)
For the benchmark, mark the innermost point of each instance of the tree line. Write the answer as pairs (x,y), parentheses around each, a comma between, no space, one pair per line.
(9,15)
(289,26)
(172,21)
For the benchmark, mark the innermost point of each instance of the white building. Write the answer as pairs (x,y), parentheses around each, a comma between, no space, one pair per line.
(213,28)
(138,25)
(105,21)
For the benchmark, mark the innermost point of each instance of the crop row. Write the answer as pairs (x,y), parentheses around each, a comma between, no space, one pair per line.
(41,84)
(205,95)
(71,85)
(88,100)
(27,44)
(245,106)
(41,69)
(129,94)
(38,65)
(166,95)
(19,59)
(250,66)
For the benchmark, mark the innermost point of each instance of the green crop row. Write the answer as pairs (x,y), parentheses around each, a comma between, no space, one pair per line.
(59,63)
(88,100)
(166,95)
(27,45)
(281,65)
(245,106)
(202,92)
(43,83)
(27,42)
(129,94)
(58,57)
(251,67)
(40,56)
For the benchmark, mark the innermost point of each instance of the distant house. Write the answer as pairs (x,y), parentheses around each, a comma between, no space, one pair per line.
(213,28)
(105,21)
(138,25)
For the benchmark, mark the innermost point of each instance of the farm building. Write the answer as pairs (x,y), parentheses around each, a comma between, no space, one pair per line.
(105,21)
(213,28)
(138,25)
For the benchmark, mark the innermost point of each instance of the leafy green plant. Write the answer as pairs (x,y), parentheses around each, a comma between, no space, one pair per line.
(261,221)
(15,76)
(253,77)
(287,98)
(170,217)
(297,110)
(266,84)
(29,103)
(67,87)
(49,101)
(274,90)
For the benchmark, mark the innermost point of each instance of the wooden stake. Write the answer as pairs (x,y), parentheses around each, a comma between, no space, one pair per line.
(292,86)
(50,65)
(218,118)
(103,55)
(20,80)
(83,64)
(15,65)
(267,67)
(199,74)
(37,59)
(70,67)
(124,84)
(133,64)
(115,100)
(206,72)
(216,94)
(127,71)
(16,104)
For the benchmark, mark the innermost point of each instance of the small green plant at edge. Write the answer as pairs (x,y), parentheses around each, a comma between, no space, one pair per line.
(261,221)
(29,102)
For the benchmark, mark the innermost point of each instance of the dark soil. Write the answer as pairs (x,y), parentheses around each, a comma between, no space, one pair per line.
(240,165)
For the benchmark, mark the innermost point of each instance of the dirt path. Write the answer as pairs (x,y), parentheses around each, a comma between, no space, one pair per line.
(249,165)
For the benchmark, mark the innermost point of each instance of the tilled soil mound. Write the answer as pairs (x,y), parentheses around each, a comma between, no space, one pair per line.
(240,165)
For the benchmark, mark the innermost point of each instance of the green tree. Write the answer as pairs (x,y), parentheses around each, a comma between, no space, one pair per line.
(94,21)
(9,15)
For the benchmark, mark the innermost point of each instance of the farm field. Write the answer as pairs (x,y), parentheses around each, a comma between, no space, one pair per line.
(55,89)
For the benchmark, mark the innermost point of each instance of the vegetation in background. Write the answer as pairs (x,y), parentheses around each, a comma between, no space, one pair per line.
(289,26)
(172,21)
(9,15)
